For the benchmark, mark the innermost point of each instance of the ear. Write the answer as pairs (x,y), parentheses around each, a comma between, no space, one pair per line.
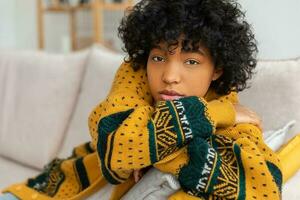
(217,73)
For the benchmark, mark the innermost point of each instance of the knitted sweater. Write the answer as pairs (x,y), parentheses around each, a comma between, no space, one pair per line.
(193,138)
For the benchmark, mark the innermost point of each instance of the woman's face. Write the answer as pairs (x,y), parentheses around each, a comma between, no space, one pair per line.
(181,73)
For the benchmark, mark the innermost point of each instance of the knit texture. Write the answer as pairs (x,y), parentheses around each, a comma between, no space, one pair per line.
(130,132)
(75,177)
(200,174)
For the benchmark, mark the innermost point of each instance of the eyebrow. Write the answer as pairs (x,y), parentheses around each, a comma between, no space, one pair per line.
(200,51)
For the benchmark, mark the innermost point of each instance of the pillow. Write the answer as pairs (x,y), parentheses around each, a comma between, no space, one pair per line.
(102,65)
(275,92)
(290,189)
(154,185)
(275,138)
(38,92)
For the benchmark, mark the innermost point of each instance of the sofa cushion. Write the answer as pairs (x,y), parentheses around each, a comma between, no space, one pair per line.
(290,190)
(13,172)
(275,138)
(38,92)
(275,93)
(101,67)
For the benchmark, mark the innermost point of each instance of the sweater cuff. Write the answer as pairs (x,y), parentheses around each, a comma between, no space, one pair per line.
(221,113)
(200,174)
(192,113)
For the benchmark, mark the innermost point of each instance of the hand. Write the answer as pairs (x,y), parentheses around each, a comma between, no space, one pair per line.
(245,115)
(137,174)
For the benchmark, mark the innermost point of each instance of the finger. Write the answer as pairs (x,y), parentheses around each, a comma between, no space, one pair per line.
(136,175)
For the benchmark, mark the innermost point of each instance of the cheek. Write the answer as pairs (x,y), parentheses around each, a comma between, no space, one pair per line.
(150,75)
(153,78)
(197,85)
(153,72)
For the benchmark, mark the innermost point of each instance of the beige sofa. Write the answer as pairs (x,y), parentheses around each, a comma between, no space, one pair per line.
(45,100)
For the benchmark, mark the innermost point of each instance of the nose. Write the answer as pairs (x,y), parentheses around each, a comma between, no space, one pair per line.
(171,74)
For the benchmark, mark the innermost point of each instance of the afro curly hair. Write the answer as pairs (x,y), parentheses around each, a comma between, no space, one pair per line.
(218,25)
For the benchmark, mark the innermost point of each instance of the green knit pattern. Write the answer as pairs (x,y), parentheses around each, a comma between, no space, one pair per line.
(106,126)
(195,111)
(276,173)
(175,123)
(200,174)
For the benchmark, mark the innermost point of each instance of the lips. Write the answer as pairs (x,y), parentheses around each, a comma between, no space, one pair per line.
(170,95)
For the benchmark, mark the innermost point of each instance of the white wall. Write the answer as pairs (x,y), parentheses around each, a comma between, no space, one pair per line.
(7,24)
(25,24)
(18,24)
(276,25)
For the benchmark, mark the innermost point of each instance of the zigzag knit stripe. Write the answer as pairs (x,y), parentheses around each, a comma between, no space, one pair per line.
(174,123)
(165,133)
(195,111)
(182,125)
(204,182)
(199,175)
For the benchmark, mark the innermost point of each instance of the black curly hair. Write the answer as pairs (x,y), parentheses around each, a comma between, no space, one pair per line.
(218,25)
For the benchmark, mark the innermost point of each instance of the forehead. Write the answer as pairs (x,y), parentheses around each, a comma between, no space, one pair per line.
(163,46)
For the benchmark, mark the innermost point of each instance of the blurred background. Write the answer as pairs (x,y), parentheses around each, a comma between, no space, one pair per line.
(46,96)
(67,25)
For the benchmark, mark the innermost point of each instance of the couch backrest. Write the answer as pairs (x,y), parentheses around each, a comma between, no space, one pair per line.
(38,92)
(101,67)
(45,99)
(275,93)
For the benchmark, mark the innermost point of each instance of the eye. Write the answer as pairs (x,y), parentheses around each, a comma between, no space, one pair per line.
(192,62)
(157,58)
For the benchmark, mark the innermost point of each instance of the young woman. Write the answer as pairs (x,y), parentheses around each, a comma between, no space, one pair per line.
(173,105)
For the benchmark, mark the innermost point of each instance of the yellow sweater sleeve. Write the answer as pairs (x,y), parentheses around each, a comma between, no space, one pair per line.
(126,139)
(234,163)
(129,133)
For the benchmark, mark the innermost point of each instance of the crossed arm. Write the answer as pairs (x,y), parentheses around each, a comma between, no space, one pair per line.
(131,135)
